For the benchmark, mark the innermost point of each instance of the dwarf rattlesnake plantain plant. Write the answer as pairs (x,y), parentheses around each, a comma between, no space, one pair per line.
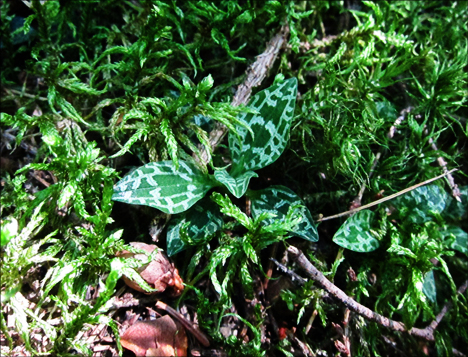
(256,144)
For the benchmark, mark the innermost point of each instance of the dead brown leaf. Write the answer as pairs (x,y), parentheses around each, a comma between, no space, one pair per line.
(159,274)
(160,337)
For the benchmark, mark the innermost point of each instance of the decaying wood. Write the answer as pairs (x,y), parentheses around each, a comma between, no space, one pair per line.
(426,333)
(256,73)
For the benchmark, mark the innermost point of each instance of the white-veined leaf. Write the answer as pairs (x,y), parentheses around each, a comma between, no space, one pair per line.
(160,185)
(354,234)
(275,106)
(456,238)
(419,205)
(236,185)
(203,219)
(277,200)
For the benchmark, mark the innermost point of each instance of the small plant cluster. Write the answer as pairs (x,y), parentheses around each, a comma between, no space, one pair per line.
(179,187)
(258,141)
(108,121)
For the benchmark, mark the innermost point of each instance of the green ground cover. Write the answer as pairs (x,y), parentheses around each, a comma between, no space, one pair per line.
(108,115)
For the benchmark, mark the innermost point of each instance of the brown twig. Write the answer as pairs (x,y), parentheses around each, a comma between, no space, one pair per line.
(447,307)
(23,94)
(442,163)
(406,190)
(40,179)
(426,333)
(269,272)
(259,69)
(398,121)
(294,277)
(256,73)
(311,321)
(200,336)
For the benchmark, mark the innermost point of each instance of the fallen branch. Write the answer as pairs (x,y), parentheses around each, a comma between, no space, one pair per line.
(256,73)
(294,277)
(426,333)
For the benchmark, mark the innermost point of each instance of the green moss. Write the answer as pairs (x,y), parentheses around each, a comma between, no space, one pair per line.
(87,97)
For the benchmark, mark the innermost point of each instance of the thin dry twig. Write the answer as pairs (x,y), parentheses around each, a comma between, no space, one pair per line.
(442,163)
(11,92)
(256,73)
(270,267)
(200,336)
(40,179)
(406,190)
(294,277)
(259,69)
(398,121)
(426,333)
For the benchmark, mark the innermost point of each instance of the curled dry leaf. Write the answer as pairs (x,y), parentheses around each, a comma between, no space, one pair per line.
(159,274)
(160,337)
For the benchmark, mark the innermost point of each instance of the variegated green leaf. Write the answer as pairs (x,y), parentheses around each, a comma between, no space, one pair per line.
(275,106)
(420,205)
(203,220)
(455,210)
(160,185)
(236,185)
(354,234)
(456,238)
(277,200)
(174,243)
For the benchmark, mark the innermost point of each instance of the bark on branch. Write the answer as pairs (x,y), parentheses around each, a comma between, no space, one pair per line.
(426,333)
